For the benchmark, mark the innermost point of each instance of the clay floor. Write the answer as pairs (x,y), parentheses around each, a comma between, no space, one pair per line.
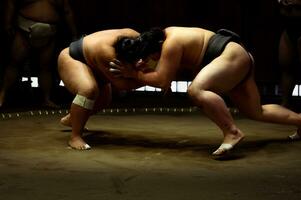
(146,156)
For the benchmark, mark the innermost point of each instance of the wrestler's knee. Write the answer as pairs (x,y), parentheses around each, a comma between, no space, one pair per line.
(195,93)
(192,90)
(86,97)
(62,60)
(90,91)
(62,55)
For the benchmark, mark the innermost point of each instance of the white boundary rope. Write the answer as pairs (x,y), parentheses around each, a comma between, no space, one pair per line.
(108,111)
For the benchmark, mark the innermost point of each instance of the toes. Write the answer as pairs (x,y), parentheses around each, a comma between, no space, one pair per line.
(84,146)
(219,152)
(87,147)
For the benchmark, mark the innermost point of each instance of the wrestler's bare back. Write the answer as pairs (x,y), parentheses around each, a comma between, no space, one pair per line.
(194,42)
(99,50)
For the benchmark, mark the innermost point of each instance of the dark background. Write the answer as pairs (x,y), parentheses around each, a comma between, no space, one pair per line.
(257,22)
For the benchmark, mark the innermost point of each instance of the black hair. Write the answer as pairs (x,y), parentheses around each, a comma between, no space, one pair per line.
(132,49)
(151,42)
(126,49)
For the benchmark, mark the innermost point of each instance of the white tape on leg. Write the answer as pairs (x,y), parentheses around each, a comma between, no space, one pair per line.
(84,102)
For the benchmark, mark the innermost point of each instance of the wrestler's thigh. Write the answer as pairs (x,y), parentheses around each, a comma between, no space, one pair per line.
(75,75)
(220,76)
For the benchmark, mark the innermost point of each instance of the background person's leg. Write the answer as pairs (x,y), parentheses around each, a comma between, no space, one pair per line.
(18,53)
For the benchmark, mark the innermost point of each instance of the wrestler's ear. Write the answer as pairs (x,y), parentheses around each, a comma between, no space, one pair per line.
(139,64)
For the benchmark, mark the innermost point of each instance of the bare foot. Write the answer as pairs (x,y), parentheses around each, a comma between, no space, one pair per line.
(230,140)
(78,143)
(66,120)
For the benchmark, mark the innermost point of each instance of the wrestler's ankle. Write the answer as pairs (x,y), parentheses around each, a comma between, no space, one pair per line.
(234,134)
(76,137)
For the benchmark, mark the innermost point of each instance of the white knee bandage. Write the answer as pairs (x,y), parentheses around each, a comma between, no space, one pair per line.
(84,102)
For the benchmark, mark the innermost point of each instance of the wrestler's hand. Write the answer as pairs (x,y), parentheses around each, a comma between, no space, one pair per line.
(119,69)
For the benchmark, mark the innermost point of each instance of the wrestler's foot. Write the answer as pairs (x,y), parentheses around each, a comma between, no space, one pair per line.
(78,143)
(296,135)
(66,121)
(230,140)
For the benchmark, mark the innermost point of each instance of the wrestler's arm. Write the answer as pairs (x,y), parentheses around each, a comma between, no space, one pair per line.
(121,83)
(166,69)
(69,18)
